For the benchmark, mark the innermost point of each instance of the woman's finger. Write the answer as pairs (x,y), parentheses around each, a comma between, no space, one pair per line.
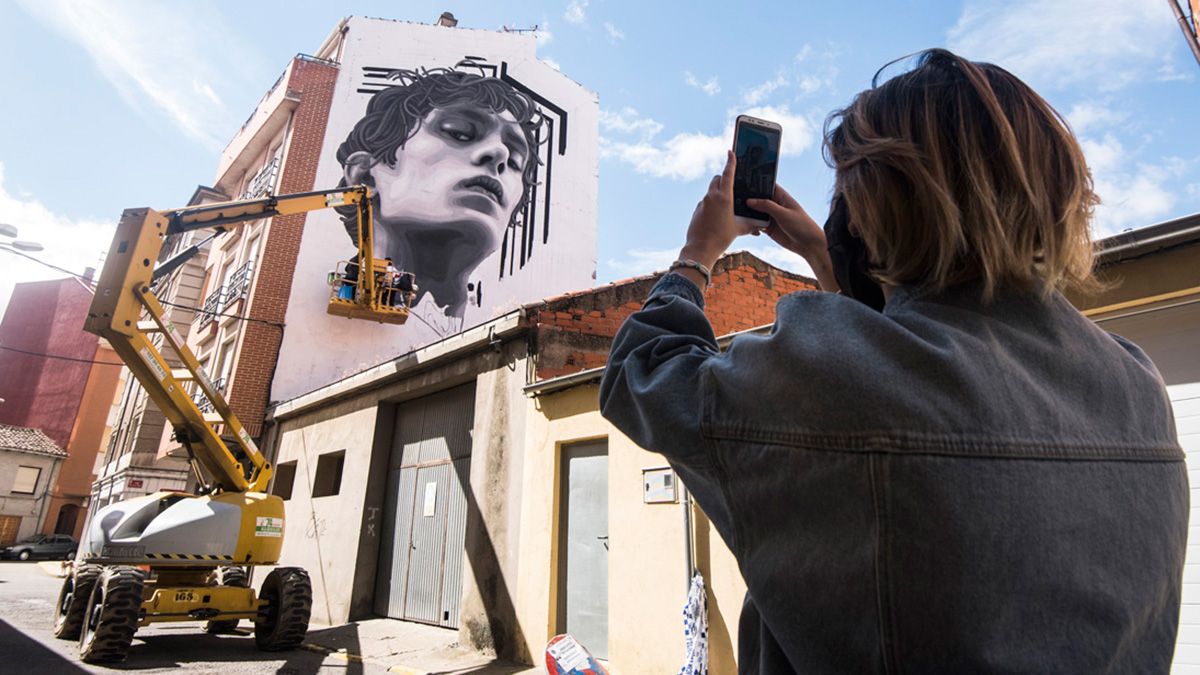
(727,174)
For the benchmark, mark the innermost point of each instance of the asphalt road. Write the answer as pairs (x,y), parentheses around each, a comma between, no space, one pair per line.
(28,645)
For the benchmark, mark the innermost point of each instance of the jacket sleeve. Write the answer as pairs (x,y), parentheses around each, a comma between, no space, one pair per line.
(653,389)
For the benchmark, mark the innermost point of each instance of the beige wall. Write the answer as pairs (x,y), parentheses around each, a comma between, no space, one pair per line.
(647,562)
(322,534)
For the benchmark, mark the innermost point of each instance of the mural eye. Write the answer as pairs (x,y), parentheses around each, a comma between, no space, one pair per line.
(459,130)
(516,163)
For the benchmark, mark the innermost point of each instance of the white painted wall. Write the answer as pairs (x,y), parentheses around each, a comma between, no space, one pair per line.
(1169,337)
(318,348)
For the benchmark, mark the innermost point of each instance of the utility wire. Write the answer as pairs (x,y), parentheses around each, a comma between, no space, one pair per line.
(89,282)
(61,358)
(92,283)
(239,317)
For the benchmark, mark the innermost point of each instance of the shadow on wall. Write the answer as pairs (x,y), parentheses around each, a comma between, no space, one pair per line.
(501,632)
(721,657)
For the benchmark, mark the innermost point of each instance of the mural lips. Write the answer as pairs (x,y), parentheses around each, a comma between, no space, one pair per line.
(486,185)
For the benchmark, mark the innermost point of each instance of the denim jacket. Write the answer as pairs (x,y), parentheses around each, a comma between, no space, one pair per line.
(946,486)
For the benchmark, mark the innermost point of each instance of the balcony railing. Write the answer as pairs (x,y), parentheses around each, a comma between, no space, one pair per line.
(235,289)
(202,401)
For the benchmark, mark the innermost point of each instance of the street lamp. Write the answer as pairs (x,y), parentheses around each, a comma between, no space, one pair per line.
(10,231)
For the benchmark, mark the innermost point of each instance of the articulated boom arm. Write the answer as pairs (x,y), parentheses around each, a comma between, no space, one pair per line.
(123,295)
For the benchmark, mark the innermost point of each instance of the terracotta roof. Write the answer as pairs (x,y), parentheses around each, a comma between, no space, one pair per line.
(24,439)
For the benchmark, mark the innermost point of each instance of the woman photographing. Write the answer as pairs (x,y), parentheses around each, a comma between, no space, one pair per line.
(944,467)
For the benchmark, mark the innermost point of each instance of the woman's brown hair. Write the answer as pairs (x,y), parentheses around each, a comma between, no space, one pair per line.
(957,171)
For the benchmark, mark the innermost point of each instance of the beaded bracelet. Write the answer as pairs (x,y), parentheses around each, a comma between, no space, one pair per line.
(692,264)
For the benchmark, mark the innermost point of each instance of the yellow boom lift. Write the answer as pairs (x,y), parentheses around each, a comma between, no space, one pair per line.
(175,556)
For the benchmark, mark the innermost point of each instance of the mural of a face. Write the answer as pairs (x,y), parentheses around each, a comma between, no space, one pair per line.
(451,157)
(459,176)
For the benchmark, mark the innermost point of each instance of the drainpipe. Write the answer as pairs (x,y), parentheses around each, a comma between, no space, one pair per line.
(687,538)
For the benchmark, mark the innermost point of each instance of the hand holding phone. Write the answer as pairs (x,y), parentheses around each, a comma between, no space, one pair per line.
(756,144)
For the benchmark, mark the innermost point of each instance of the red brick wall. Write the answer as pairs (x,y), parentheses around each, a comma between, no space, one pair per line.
(260,344)
(574,332)
(45,317)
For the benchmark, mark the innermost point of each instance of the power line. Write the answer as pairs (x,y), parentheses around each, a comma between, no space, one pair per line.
(92,283)
(59,357)
(86,280)
(239,317)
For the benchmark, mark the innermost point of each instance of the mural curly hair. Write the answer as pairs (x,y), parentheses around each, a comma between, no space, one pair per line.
(395,114)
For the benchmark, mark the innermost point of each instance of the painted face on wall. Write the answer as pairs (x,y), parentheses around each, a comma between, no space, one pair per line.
(460,173)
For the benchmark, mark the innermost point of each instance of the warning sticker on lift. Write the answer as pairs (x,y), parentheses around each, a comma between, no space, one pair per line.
(153,363)
(266,526)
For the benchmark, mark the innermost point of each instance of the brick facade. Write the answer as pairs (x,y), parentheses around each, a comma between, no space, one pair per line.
(313,81)
(573,332)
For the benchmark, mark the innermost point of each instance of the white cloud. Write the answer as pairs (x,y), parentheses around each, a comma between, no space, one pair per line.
(627,121)
(760,93)
(1103,156)
(691,155)
(543,34)
(1104,44)
(774,254)
(710,86)
(576,12)
(614,34)
(70,244)
(1132,194)
(1090,116)
(173,56)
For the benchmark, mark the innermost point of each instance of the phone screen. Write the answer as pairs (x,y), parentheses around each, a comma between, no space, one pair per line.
(757,150)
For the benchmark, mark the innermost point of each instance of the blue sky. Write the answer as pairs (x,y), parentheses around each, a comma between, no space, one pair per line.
(127,103)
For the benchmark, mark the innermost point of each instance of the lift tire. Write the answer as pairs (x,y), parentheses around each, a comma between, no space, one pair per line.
(111,616)
(283,622)
(72,601)
(226,576)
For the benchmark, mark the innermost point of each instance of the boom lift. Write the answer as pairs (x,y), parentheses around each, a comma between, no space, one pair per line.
(175,556)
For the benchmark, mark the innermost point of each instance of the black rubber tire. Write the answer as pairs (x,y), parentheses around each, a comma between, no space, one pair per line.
(24,555)
(72,601)
(226,576)
(283,622)
(112,615)
(71,555)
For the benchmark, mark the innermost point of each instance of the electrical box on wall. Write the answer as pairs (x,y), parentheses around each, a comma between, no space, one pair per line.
(659,486)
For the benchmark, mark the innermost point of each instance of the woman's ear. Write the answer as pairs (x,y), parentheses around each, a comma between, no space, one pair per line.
(357,168)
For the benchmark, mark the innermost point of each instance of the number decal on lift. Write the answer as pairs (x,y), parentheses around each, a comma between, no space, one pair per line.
(185,596)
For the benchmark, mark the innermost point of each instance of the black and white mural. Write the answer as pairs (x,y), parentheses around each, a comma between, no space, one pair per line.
(483,169)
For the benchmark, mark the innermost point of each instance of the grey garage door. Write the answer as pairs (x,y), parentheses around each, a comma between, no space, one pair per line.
(425,509)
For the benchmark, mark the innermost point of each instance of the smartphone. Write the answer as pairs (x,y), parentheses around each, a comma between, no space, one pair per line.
(756,144)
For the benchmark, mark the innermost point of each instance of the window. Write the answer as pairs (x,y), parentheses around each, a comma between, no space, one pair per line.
(329,474)
(285,477)
(27,480)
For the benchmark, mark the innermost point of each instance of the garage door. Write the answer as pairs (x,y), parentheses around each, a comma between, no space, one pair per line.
(1172,339)
(425,512)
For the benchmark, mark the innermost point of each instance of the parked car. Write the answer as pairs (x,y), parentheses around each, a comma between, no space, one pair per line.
(56,546)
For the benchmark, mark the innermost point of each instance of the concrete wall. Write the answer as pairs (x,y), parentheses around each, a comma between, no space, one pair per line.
(336,538)
(647,563)
(488,618)
(322,534)
(31,508)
